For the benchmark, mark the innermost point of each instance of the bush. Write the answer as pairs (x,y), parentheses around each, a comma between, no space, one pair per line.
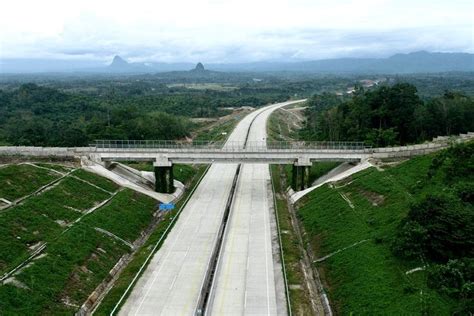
(439,226)
(455,279)
(411,240)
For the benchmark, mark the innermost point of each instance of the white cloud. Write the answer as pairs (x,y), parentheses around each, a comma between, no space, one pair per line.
(227,30)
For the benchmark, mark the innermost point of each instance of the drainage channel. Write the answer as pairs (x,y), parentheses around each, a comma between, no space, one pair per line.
(209,278)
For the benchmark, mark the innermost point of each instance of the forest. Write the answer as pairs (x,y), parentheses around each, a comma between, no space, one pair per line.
(34,115)
(74,110)
(388,115)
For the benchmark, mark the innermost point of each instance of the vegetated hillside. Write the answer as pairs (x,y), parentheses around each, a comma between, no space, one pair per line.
(80,246)
(388,115)
(399,241)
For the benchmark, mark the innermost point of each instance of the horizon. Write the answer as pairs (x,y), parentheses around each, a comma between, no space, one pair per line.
(108,62)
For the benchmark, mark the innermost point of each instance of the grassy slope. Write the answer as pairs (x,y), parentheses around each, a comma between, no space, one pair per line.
(367,278)
(38,218)
(77,259)
(95,180)
(20,180)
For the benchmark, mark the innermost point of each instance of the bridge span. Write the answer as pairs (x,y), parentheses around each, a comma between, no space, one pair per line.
(166,153)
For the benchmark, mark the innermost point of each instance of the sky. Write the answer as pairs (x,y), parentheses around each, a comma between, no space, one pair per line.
(228,31)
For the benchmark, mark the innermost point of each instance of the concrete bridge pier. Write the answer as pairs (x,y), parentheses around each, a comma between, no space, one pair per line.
(300,174)
(163,169)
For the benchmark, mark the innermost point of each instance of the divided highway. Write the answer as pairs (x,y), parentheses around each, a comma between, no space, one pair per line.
(247,281)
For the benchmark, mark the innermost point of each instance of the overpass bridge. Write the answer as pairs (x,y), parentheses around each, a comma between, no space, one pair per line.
(163,154)
(301,154)
(166,153)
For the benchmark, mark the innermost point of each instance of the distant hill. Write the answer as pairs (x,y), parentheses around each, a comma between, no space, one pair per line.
(199,68)
(417,62)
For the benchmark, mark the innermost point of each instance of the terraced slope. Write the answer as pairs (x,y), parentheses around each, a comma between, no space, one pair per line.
(76,230)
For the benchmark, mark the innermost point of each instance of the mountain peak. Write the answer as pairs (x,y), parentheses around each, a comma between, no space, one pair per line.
(199,67)
(118,62)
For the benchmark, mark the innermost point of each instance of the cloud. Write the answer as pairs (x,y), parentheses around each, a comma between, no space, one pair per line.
(232,31)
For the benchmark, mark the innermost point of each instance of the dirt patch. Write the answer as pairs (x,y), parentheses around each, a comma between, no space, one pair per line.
(343,182)
(374,198)
(13,281)
(215,122)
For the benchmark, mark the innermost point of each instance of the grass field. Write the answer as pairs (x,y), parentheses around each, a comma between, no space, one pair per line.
(359,216)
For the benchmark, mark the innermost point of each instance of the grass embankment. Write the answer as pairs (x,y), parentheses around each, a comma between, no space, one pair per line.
(95,180)
(366,209)
(299,296)
(139,258)
(20,180)
(42,218)
(285,123)
(77,256)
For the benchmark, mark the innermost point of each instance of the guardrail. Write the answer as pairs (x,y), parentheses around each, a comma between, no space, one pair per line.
(228,145)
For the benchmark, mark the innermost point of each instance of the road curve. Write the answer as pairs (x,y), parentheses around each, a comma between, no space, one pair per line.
(172,282)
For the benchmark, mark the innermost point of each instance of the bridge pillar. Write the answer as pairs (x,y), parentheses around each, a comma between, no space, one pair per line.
(294,178)
(163,176)
(300,174)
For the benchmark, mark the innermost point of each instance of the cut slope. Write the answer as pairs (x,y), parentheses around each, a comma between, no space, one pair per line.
(358,216)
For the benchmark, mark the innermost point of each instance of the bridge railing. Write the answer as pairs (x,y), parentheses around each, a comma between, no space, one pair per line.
(225,145)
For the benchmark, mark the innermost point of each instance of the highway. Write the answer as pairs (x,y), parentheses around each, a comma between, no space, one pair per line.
(174,278)
(249,279)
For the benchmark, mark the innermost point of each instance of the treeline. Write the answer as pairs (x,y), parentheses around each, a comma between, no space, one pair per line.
(389,115)
(37,116)
(439,227)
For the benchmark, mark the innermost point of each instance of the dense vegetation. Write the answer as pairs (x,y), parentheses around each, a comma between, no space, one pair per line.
(33,115)
(404,236)
(439,227)
(73,110)
(388,115)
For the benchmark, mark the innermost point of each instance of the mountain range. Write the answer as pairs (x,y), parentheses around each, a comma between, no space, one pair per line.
(416,62)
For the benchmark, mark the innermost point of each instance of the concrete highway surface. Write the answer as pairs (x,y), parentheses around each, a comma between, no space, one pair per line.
(172,282)
(249,279)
